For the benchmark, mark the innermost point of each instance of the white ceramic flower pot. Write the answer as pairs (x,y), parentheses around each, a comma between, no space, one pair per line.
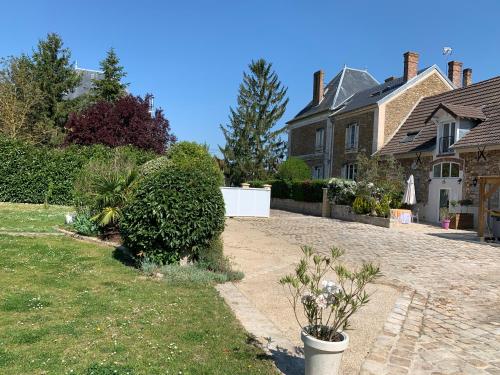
(323,357)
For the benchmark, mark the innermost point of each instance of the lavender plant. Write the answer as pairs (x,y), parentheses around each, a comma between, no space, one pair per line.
(327,305)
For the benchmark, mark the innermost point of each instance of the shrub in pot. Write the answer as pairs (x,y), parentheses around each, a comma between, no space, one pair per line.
(175,211)
(327,305)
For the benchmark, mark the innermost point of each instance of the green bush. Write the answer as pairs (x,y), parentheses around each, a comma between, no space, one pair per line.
(383,208)
(294,169)
(38,174)
(175,211)
(191,154)
(361,206)
(305,191)
(308,191)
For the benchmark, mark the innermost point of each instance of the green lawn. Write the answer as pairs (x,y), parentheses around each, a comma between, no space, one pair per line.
(68,307)
(20,217)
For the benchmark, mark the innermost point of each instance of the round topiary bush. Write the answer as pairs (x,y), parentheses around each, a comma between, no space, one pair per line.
(175,211)
(294,169)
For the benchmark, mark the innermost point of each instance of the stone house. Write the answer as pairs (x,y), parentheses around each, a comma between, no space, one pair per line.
(363,121)
(310,131)
(448,141)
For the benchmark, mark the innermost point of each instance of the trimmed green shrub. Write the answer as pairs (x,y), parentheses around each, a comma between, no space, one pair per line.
(38,174)
(175,211)
(383,208)
(294,169)
(191,154)
(308,191)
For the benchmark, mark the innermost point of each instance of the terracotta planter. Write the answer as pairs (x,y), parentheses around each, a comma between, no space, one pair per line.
(323,357)
(445,224)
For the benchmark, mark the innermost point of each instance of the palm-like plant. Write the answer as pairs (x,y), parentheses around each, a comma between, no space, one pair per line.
(111,192)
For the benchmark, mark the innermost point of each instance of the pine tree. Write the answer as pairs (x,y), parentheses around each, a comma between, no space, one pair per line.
(56,77)
(253,149)
(110,87)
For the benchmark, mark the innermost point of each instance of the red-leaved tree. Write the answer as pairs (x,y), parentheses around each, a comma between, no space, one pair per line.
(127,121)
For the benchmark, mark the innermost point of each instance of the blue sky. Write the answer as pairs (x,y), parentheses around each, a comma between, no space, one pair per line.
(191,54)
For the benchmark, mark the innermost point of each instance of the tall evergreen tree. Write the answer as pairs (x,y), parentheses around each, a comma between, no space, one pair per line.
(55,76)
(110,87)
(253,149)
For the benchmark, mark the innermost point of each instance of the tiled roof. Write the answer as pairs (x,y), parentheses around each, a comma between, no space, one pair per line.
(463,111)
(483,95)
(345,84)
(373,94)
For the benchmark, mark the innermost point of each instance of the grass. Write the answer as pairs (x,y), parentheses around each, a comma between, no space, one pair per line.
(69,307)
(20,217)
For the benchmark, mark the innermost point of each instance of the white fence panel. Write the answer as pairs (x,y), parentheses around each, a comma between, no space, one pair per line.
(246,202)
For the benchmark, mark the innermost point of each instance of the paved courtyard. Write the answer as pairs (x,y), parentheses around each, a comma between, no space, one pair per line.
(447,319)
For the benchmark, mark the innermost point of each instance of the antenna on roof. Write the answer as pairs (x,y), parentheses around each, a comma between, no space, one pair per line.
(447,51)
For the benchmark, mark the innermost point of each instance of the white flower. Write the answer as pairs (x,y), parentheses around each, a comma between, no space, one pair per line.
(330,287)
(321,301)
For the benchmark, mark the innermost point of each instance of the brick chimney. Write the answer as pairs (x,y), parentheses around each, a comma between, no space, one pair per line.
(455,73)
(467,77)
(411,65)
(318,87)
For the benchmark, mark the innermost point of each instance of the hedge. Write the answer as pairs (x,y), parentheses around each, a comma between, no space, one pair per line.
(305,191)
(34,174)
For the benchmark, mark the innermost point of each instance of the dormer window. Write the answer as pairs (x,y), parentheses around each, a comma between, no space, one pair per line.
(409,137)
(447,137)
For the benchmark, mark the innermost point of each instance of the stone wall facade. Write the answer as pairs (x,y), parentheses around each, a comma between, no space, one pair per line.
(365,122)
(303,143)
(475,168)
(303,138)
(420,171)
(400,107)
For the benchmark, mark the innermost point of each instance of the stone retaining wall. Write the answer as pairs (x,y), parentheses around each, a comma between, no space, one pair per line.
(306,208)
(345,213)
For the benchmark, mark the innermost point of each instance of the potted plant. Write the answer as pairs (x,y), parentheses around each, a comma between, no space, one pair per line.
(327,305)
(444,213)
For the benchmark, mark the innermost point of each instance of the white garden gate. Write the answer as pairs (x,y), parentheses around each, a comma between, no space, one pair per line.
(247,201)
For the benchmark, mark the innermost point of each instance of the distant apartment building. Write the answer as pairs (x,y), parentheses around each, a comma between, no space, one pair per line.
(86,84)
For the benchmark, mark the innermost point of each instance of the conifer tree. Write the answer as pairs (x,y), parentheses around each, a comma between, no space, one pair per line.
(55,77)
(253,149)
(110,87)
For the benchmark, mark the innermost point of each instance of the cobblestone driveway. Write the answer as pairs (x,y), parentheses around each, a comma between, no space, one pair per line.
(448,324)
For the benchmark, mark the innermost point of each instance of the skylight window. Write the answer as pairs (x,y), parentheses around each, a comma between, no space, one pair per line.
(409,137)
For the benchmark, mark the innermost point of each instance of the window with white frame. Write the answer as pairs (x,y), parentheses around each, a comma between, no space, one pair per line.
(318,172)
(350,171)
(351,137)
(446,170)
(320,133)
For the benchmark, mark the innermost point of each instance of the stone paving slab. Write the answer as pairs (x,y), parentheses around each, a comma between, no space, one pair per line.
(451,321)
